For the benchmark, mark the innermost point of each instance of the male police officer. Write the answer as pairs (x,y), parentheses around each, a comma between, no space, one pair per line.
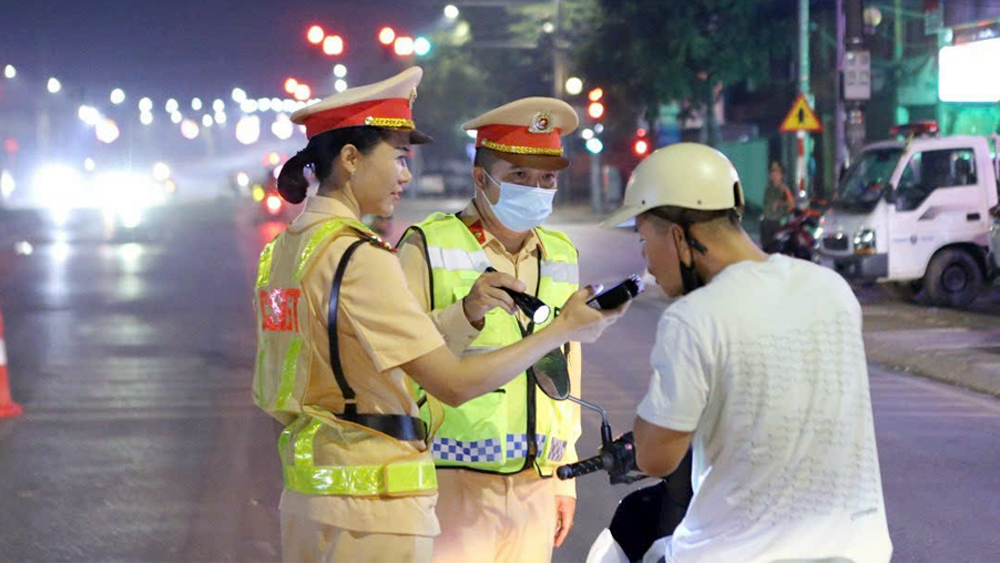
(496,454)
(761,365)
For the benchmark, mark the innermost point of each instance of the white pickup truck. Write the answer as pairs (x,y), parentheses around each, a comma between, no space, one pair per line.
(919,215)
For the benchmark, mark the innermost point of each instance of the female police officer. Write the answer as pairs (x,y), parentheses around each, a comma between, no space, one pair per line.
(337,328)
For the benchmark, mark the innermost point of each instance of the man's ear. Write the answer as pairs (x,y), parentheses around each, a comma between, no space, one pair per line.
(684,251)
(479,177)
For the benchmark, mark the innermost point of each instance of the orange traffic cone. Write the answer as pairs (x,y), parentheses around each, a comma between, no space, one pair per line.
(8,408)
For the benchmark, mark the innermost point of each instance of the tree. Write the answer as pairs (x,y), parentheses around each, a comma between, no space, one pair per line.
(651,53)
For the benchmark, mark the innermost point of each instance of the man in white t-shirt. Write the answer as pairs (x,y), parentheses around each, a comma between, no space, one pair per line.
(760,367)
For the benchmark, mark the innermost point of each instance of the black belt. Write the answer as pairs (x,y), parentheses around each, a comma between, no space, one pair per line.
(399,426)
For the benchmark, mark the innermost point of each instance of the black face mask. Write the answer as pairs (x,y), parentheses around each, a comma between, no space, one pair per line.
(690,279)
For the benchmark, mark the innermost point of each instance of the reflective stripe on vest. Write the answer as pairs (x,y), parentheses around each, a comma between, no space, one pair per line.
(489,433)
(284,358)
(303,476)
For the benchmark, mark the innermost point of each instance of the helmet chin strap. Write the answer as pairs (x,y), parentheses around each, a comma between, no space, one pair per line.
(690,279)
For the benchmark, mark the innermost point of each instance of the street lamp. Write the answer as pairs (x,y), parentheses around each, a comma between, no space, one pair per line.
(145,105)
(107,131)
(574,86)
(248,130)
(333,45)
(9,71)
(145,118)
(89,115)
(386,36)
(290,85)
(404,46)
(218,105)
(594,145)
(54,85)
(340,85)
(451,12)
(196,104)
(315,35)
(302,92)
(239,95)
(189,129)
(171,106)
(117,96)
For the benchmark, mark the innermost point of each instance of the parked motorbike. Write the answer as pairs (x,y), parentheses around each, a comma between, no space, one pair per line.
(798,236)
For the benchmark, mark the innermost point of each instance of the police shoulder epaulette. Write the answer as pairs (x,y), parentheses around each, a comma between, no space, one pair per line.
(377,241)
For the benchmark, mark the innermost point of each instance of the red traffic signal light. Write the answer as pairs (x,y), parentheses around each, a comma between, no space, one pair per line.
(595,110)
(641,147)
(386,36)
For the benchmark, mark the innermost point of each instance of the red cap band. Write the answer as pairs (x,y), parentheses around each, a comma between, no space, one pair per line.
(519,140)
(394,113)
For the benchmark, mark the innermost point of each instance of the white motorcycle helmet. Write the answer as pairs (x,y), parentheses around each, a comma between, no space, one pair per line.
(686,175)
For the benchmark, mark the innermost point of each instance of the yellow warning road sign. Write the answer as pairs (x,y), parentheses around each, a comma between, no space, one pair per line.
(801,118)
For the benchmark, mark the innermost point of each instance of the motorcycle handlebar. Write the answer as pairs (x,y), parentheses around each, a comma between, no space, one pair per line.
(582,467)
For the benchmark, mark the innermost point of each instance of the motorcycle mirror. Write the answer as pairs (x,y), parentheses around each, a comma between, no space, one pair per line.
(551,375)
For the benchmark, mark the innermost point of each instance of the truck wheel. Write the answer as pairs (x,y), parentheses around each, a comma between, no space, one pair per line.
(953,279)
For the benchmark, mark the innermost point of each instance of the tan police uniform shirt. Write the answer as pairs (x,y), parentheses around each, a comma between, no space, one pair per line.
(455,327)
(381,326)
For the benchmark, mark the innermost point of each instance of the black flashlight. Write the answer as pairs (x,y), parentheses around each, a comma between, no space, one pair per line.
(535,308)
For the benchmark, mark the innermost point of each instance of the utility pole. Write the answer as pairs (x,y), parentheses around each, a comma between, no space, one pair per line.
(840,158)
(559,52)
(857,80)
(804,142)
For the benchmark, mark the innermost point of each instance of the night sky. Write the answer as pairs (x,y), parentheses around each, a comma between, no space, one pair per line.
(182,48)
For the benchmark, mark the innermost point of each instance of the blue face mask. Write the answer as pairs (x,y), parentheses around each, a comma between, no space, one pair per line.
(521,208)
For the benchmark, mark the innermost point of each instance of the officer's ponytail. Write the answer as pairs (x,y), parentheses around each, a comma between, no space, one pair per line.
(321,153)
(292,183)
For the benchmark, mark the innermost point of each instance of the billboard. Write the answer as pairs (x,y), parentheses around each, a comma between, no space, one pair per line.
(968,72)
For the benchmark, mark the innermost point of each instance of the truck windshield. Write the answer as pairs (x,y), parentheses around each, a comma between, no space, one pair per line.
(866,179)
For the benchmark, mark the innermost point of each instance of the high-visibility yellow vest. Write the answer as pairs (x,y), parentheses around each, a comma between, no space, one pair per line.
(320,454)
(516,426)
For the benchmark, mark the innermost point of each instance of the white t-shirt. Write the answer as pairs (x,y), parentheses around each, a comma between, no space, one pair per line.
(767,366)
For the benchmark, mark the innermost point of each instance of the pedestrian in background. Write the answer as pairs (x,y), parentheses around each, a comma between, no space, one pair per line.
(778,204)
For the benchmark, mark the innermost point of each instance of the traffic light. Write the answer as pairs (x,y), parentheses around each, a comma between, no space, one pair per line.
(641,144)
(641,147)
(421,46)
(596,108)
